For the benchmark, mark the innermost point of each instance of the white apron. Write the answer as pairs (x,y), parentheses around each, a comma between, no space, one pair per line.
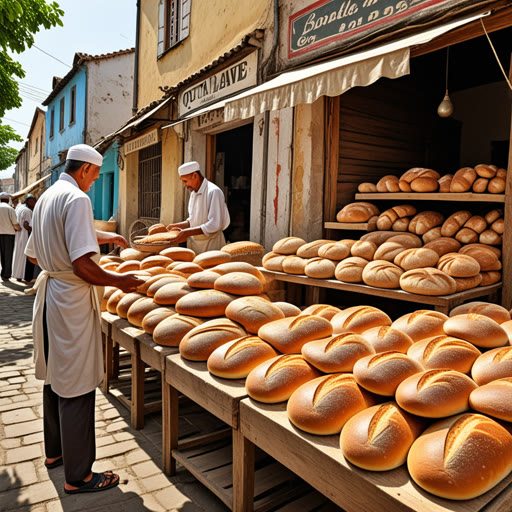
(20,242)
(203,243)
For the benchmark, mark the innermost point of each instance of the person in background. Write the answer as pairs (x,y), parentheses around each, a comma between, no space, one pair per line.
(66,325)
(23,268)
(8,228)
(208,214)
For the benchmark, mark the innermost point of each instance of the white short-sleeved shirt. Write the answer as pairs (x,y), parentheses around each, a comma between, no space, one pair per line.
(7,219)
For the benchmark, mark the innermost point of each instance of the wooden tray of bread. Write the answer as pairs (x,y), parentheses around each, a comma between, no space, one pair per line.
(155,242)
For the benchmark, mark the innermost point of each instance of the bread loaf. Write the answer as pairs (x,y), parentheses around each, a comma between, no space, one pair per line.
(404,186)
(455,222)
(143,288)
(324,310)
(480,185)
(107,293)
(287,308)
(416,258)
(337,353)
(487,259)
(386,219)
(350,270)
(205,279)
(461,457)
(498,313)
(494,399)
(288,335)
(492,365)
(476,223)
(388,183)
(170,293)
(253,312)
(444,352)
(387,339)
(204,303)
(132,254)
(379,438)
(323,405)
(171,330)
(111,266)
(335,251)
(427,281)
(480,330)
(424,221)
(179,253)
(458,265)
(489,237)
(382,274)
(211,259)
(250,252)
(153,318)
(493,215)
(156,228)
(378,237)
(358,319)
(320,268)
(155,261)
(466,283)
(401,225)
(496,185)
(239,283)
(489,278)
(128,266)
(348,242)
(125,302)
(239,266)
(235,359)
(395,245)
(310,250)
(419,172)
(356,212)
(366,188)
(432,234)
(498,226)
(273,261)
(139,309)
(186,269)
(485,171)
(463,180)
(364,249)
(421,324)
(288,245)
(164,280)
(294,265)
(424,185)
(382,373)
(501,173)
(276,379)
(444,183)
(443,245)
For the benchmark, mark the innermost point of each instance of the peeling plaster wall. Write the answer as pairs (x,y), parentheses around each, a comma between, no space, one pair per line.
(36,158)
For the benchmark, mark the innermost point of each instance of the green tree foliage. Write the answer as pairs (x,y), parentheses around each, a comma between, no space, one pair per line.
(19,21)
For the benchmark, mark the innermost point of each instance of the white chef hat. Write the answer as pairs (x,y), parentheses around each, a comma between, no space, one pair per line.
(188,168)
(84,153)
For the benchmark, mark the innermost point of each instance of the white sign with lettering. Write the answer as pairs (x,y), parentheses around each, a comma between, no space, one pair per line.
(235,78)
(148,139)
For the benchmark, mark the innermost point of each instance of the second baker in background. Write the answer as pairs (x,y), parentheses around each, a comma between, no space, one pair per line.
(208,214)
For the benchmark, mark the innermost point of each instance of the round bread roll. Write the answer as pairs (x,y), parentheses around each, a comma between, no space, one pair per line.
(236,359)
(498,226)
(350,270)
(458,265)
(337,353)
(170,331)
(125,302)
(143,288)
(155,261)
(336,251)
(498,313)
(493,215)
(288,245)
(419,172)
(288,335)
(253,312)
(487,259)
(379,237)
(132,254)
(427,281)
(444,183)
(387,339)
(496,185)
(416,258)
(366,188)
(455,222)
(239,266)
(492,365)
(204,303)
(494,399)
(310,250)
(401,224)
(358,319)
(461,457)
(323,405)
(444,352)
(211,259)
(394,246)
(111,266)
(205,279)
(276,379)
(388,183)
(153,318)
(139,309)
(480,330)
(489,278)
(424,185)
(386,219)
(357,212)
(432,234)
(501,173)
(488,237)
(170,293)
(287,308)
(421,324)
(107,293)
(424,221)
(294,265)
(382,274)
(485,171)
(273,261)
(463,180)
(435,393)
(320,268)
(404,186)
(239,283)
(363,249)
(164,280)
(324,310)
(179,253)
(466,283)
(128,266)
(379,438)
(201,341)
(480,185)
(348,242)
(443,245)
(382,373)
(250,252)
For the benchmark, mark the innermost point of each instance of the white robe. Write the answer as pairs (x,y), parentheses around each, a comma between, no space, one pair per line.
(62,231)
(23,213)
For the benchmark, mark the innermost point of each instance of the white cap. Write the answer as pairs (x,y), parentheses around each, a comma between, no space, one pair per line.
(4,194)
(85,153)
(188,168)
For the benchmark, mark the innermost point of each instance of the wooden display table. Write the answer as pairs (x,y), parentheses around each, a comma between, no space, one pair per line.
(319,461)
(442,303)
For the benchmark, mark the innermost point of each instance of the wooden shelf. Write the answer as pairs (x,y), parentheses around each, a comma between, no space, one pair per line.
(443,303)
(433,196)
(359,226)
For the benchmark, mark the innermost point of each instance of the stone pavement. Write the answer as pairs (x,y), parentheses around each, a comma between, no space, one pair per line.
(26,484)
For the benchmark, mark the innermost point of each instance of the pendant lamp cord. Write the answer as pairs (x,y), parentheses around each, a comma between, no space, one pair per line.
(447,61)
(496,55)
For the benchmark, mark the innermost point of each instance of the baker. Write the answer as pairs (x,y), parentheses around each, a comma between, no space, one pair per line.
(66,323)
(8,228)
(208,214)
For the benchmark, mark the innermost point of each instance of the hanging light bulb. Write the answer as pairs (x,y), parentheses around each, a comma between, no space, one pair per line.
(445,108)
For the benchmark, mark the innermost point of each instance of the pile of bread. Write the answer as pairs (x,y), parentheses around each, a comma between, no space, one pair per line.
(387,259)
(482,178)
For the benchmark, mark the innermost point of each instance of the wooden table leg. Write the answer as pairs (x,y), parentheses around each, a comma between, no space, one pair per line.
(170,414)
(243,473)
(115,360)
(109,361)
(137,409)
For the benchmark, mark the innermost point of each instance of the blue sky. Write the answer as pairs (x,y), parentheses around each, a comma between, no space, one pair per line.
(93,27)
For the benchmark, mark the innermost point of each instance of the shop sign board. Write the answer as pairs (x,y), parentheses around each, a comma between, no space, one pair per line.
(327,21)
(208,119)
(148,139)
(235,78)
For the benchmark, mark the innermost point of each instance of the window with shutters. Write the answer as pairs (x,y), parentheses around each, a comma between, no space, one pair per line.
(52,122)
(72,105)
(62,105)
(173,23)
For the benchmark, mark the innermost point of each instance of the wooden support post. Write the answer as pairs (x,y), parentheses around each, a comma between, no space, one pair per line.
(243,473)
(115,360)
(137,402)
(170,415)
(109,359)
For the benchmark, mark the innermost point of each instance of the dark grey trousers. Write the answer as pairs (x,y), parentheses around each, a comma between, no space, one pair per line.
(69,427)
(6,252)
